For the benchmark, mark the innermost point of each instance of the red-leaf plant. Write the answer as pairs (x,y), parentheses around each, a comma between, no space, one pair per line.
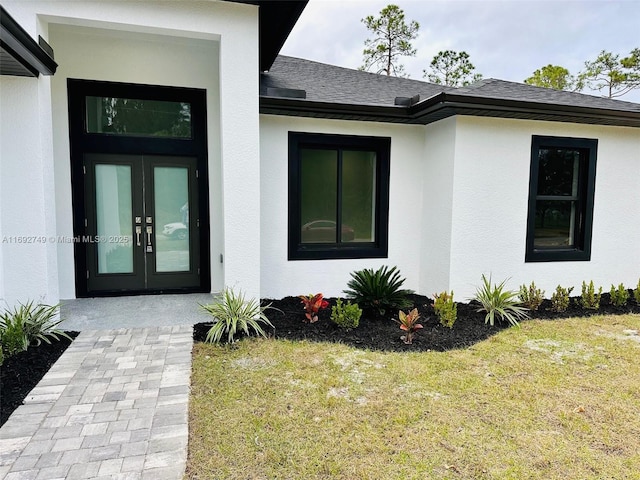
(312,305)
(409,323)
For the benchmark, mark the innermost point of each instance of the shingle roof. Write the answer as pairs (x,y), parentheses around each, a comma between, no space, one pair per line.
(295,86)
(328,83)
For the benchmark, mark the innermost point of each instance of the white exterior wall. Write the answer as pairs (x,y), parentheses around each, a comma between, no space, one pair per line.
(437,206)
(212,45)
(492,162)
(281,277)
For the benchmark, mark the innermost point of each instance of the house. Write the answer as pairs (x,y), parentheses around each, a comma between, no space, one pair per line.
(167,147)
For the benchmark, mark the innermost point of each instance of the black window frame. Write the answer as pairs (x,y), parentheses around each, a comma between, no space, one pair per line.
(324,251)
(581,248)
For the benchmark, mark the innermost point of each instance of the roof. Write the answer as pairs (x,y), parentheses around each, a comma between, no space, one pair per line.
(276,20)
(20,54)
(295,86)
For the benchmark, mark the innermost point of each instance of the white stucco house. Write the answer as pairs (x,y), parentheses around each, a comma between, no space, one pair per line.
(151,147)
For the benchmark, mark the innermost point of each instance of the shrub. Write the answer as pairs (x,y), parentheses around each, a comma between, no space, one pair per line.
(445,308)
(346,316)
(636,293)
(379,290)
(13,338)
(233,314)
(619,296)
(29,324)
(312,305)
(560,299)
(531,296)
(495,300)
(409,323)
(589,298)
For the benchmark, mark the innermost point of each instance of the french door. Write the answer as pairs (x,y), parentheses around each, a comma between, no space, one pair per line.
(138,157)
(142,222)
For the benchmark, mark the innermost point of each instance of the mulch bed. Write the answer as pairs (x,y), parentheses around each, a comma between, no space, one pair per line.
(383,334)
(21,372)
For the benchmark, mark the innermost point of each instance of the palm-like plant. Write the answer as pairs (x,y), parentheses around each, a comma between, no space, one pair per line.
(379,290)
(233,314)
(495,300)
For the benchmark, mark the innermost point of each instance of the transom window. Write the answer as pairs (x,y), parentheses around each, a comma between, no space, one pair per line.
(561,195)
(338,196)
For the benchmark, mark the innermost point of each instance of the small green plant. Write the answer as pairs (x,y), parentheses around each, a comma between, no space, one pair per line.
(13,338)
(346,315)
(531,296)
(312,305)
(27,324)
(560,299)
(636,293)
(495,300)
(619,296)
(589,298)
(409,323)
(233,314)
(446,309)
(379,290)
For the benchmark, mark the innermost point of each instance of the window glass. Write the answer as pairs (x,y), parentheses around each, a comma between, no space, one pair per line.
(358,196)
(318,205)
(558,172)
(555,225)
(125,116)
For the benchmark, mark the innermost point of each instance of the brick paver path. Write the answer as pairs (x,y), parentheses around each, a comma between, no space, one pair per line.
(114,406)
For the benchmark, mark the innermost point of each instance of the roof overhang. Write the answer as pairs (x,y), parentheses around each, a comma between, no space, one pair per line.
(276,20)
(21,55)
(446,105)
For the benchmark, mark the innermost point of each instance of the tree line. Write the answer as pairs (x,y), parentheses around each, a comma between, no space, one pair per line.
(392,35)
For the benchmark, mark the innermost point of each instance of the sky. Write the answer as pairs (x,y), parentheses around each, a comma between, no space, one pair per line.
(506,39)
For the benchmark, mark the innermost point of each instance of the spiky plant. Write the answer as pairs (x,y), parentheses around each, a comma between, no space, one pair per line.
(497,301)
(378,290)
(233,314)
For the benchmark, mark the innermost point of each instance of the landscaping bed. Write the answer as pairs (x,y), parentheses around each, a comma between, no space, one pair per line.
(20,373)
(381,333)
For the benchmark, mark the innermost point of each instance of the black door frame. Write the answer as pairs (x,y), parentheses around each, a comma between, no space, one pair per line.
(82,142)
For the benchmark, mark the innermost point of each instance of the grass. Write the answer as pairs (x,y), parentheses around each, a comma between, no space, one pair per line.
(552,400)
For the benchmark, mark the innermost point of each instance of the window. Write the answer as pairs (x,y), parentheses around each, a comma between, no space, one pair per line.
(338,196)
(561,192)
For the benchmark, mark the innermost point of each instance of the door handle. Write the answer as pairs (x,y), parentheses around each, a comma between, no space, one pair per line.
(149,244)
(138,232)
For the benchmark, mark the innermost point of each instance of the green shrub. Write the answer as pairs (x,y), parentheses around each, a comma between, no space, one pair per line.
(1,357)
(346,316)
(233,314)
(636,293)
(13,337)
(560,299)
(619,296)
(446,309)
(531,297)
(379,290)
(28,324)
(495,300)
(589,298)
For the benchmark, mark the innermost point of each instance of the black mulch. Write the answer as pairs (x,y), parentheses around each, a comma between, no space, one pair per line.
(21,372)
(383,334)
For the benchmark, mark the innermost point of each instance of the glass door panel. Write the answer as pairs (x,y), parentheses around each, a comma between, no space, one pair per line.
(171,205)
(114,218)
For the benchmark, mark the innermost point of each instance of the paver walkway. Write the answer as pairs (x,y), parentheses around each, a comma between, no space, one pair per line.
(114,406)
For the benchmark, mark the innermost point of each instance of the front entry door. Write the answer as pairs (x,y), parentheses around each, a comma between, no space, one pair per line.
(139,177)
(142,222)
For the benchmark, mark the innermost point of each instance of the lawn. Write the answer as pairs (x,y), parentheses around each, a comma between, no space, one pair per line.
(551,399)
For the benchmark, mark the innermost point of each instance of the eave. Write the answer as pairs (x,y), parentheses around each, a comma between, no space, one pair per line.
(446,105)
(21,55)
(276,20)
